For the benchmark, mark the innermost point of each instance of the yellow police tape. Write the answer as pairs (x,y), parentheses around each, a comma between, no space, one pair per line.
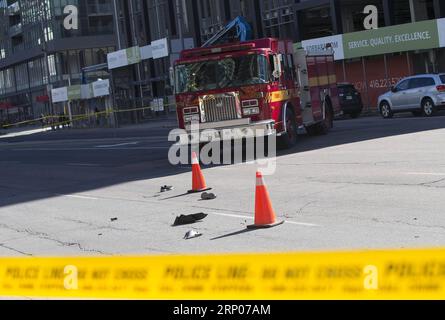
(78,117)
(401,274)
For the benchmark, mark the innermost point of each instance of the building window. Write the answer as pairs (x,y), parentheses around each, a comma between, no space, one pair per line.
(353,16)
(52,65)
(21,76)
(317,23)
(401,11)
(35,73)
(279,19)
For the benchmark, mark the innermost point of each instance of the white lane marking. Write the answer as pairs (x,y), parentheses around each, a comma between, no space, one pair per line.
(118,145)
(80,149)
(78,197)
(23,133)
(251,218)
(426,173)
(83,164)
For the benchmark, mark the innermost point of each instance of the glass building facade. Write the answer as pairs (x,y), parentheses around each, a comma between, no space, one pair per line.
(37,51)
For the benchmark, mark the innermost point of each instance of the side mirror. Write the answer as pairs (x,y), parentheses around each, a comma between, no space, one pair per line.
(393,89)
(277,66)
(172,78)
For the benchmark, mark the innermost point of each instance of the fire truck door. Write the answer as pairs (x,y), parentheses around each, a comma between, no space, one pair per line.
(304,87)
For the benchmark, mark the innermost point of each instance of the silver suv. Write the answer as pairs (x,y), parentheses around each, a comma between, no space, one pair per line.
(421,94)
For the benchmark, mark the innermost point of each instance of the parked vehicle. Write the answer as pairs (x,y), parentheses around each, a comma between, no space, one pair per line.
(422,95)
(256,84)
(350,99)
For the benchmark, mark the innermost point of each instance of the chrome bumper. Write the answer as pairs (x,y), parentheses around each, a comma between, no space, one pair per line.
(229,130)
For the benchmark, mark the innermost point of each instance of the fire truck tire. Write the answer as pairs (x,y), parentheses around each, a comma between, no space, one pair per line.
(312,130)
(324,126)
(289,138)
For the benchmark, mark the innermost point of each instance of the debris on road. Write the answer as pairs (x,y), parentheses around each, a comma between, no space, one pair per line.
(113,219)
(166,188)
(189,218)
(208,196)
(192,234)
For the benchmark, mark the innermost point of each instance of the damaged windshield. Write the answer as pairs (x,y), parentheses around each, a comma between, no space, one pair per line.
(216,74)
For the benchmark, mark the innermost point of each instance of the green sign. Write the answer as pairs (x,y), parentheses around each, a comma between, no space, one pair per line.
(405,37)
(74,92)
(133,55)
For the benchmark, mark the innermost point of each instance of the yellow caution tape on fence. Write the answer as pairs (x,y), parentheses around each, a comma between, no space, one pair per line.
(77,117)
(401,274)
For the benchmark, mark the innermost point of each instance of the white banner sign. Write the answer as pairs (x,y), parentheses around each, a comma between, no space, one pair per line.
(86,91)
(59,94)
(117,59)
(159,48)
(441,27)
(176,45)
(101,88)
(157,104)
(146,52)
(319,44)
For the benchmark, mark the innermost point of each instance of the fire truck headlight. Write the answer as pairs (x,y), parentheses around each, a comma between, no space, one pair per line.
(191,117)
(190,110)
(250,103)
(250,107)
(191,114)
(251,111)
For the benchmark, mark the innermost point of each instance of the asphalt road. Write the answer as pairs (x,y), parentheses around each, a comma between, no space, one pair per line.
(371,183)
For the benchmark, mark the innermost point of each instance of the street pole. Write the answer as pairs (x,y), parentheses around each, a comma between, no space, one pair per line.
(156,4)
(385,60)
(179,12)
(365,78)
(117,20)
(138,68)
(157,18)
(112,87)
(43,13)
(113,100)
(70,114)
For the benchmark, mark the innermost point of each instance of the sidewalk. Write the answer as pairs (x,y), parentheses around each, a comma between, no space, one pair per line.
(155,124)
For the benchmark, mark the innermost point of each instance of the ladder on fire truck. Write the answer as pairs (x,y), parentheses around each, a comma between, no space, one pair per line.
(241,27)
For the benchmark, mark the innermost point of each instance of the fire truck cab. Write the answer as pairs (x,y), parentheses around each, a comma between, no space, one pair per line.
(261,84)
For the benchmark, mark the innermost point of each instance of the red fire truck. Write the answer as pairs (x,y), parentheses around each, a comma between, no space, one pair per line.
(260,84)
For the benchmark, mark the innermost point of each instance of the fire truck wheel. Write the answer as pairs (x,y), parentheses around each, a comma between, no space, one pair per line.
(289,138)
(324,126)
(312,130)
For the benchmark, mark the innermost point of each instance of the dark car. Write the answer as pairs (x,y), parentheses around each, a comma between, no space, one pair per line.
(350,99)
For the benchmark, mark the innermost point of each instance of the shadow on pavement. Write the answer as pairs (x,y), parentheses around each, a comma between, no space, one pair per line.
(233,234)
(29,174)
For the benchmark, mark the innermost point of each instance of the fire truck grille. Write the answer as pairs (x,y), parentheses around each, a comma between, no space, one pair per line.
(219,107)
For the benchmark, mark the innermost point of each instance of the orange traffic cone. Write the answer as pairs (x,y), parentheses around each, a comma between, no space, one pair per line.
(198,181)
(264,214)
